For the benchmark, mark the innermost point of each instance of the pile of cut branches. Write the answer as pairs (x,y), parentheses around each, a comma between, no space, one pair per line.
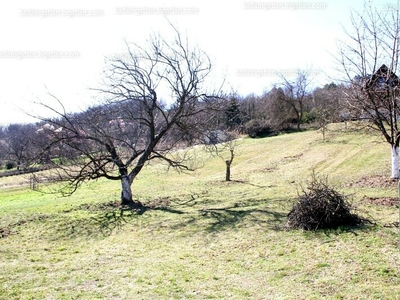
(322,207)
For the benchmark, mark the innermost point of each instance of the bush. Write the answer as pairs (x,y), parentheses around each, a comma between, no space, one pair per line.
(256,128)
(309,117)
(10,165)
(321,207)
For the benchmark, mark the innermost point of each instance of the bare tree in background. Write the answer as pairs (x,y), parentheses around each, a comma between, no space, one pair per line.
(279,112)
(369,59)
(220,149)
(18,145)
(228,162)
(327,106)
(115,139)
(297,92)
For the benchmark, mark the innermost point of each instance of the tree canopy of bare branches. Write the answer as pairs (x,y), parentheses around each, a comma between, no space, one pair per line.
(296,92)
(18,145)
(369,58)
(155,103)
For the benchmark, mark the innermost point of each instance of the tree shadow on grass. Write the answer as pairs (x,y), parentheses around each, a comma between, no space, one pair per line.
(232,216)
(103,219)
(111,221)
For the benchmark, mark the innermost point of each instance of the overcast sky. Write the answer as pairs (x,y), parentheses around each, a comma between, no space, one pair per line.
(59,47)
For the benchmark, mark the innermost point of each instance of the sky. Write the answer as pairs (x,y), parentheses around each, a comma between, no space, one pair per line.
(60,47)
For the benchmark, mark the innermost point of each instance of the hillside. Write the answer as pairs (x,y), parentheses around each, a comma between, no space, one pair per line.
(205,238)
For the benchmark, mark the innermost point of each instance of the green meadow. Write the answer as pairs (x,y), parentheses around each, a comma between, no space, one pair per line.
(201,237)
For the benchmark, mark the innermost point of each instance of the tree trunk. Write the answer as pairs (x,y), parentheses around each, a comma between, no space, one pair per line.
(228,163)
(228,170)
(126,193)
(395,161)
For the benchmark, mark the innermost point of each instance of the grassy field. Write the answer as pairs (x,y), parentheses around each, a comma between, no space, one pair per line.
(206,238)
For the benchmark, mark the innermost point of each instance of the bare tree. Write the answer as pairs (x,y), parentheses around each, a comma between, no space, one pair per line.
(297,92)
(327,107)
(229,145)
(18,144)
(134,125)
(249,107)
(228,162)
(280,113)
(369,59)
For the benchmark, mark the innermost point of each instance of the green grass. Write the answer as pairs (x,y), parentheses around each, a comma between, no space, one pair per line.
(211,239)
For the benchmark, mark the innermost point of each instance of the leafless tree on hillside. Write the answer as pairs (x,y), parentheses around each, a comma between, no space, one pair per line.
(369,59)
(296,93)
(115,139)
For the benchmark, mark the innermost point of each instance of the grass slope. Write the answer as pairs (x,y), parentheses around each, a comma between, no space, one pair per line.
(208,239)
